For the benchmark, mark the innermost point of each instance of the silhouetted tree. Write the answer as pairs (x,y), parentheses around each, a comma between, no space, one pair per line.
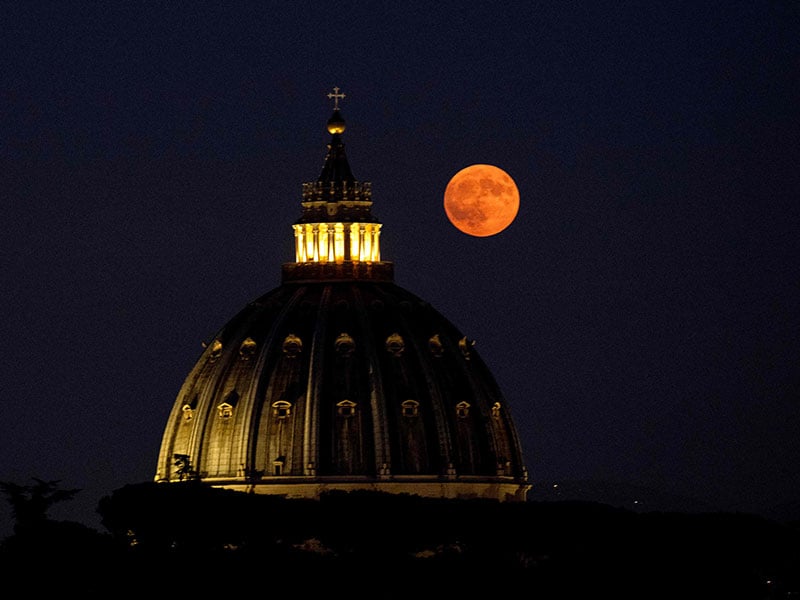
(30,503)
(76,559)
(184,468)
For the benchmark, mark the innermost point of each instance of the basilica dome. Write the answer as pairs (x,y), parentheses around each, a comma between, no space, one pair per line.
(339,379)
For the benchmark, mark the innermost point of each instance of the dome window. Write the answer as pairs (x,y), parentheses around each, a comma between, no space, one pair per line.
(410,408)
(281,409)
(465,346)
(247,349)
(346,408)
(462,410)
(225,411)
(395,344)
(496,410)
(216,350)
(188,409)
(292,345)
(345,345)
(435,346)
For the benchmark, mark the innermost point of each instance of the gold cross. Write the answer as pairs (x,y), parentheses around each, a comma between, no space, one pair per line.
(336,97)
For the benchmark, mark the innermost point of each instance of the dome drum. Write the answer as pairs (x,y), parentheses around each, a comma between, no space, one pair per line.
(331,271)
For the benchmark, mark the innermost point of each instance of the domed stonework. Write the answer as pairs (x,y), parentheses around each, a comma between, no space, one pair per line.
(339,379)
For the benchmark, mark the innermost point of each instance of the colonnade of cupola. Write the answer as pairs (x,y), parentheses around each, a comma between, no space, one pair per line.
(337,242)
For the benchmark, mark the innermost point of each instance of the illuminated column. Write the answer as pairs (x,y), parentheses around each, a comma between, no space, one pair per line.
(308,242)
(338,242)
(367,242)
(315,235)
(354,242)
(371,239)
(323,243)
(298,243)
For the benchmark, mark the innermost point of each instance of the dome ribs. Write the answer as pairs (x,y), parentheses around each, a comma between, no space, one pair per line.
(346,382)
(277,389)
(339,379)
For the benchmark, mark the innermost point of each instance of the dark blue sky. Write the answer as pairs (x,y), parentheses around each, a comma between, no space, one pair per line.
(641,314)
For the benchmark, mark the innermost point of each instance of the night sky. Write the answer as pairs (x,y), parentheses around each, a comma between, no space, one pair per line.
(641,314)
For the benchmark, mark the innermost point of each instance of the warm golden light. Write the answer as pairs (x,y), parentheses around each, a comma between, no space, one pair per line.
(337,242)
(354,239)
(481,200)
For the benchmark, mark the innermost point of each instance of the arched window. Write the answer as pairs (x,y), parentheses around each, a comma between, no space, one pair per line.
(410,408)
(435,345)
(395,344)
(462,410)
(345,345)
(496,410)
(466,345)
(188,409)
(292,345)
(247,349)
(281,409)
(216,350)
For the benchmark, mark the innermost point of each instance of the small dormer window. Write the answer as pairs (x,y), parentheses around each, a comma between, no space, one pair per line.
(188,409)
(345,345)
(225,410)
(346,408)
(435,346)
(410,408)
(216,350)
(462,410)
(292,345)
(465,346)
(281,409)
(395,344)
(496,410)
(247,349)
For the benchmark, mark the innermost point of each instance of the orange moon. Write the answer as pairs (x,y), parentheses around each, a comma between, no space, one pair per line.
(481,200)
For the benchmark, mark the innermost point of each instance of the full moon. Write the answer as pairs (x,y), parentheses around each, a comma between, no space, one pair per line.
(481,200)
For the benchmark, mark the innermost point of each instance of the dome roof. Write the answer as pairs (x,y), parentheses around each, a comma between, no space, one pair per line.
(341,379)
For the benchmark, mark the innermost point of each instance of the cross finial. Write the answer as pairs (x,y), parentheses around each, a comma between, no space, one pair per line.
(336,97)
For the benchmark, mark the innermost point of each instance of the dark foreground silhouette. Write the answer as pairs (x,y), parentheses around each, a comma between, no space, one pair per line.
(189,538)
